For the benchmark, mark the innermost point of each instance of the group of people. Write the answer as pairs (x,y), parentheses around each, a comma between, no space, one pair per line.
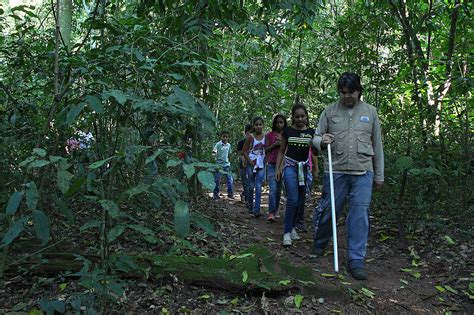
(288,155)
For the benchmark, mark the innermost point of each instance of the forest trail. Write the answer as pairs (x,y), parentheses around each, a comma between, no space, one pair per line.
(394,284)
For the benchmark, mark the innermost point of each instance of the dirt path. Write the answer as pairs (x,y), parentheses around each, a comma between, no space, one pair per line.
(388,289)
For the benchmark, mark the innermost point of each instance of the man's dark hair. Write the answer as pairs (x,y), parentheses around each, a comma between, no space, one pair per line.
(351,81)
(248,127)
(224,132)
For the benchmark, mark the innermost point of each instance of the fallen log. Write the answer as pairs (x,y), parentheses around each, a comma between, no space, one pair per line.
(253,271)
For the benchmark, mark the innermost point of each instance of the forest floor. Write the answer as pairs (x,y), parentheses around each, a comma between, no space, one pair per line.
(431,276)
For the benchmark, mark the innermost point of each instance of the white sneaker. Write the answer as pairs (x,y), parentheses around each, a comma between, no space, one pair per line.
(294,235)
(287,239)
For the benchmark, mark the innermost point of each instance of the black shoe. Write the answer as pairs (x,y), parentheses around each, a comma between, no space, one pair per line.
(215,197)
(257,215)
(230,196)
(316,252)
(358,273)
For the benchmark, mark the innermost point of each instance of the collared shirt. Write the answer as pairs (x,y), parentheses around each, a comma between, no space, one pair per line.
(357,147)
(222,153)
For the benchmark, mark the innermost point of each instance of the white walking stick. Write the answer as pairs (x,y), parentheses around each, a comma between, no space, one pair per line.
(333,210)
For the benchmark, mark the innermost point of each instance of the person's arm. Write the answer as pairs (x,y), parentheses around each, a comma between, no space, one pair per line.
(214,150)
(279,162)
(378,158)
(321,137)
(246,150)
(240,155)
(271,147)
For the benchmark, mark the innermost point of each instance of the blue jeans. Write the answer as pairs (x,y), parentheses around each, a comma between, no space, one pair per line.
(275,189)
(255,183)
(357,190)
(230,181)
(245,185)
(295,196)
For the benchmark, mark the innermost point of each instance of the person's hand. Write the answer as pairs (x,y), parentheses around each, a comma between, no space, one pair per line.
(278,175)
(327,138)
(378,185)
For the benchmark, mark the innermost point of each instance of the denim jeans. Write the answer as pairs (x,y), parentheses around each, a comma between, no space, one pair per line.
(230,181)
(275,189)
(245,185)
(357,190)
(295,196)
(255,183)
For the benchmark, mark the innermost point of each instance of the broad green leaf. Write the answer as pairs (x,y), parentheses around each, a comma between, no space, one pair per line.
(207,179)
(39,151)
(173,163)
(186,99)
(90,224)
(119,96)
(64,181)
(142,229)
(38,164)
(139,189)
(31,196)
(74,111)
(189,170)
(204,224)
(115,232)
(98,164)
(111,207)
(27,161)
(50,307)
(284,282)
(153,156)
(14,202)
(76,186)
(94,103)
(65,210)
(404,163)
(181,218)
(234,301)
(298,300)
(14,230)
(245,276)
(41,226)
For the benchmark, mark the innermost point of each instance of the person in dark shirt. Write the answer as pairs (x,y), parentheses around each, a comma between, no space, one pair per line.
(243,166)
(293,163)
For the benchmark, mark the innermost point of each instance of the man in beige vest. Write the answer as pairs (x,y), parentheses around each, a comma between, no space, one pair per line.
(353,129)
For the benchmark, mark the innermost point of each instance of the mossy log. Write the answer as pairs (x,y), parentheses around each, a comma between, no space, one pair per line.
(254,270)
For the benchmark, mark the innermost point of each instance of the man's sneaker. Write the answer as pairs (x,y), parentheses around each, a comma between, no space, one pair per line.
(271,217)
(316,252)
(294,235)
(358,273)
(286,239)
(277,215)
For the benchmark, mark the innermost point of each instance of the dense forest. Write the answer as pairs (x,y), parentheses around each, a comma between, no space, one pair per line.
(109,110)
